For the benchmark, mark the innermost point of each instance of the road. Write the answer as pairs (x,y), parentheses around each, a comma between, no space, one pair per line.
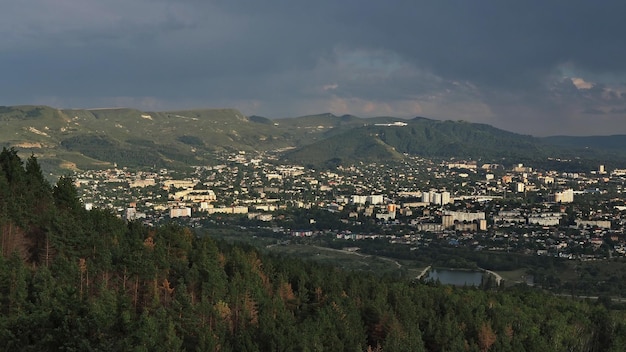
(421,275)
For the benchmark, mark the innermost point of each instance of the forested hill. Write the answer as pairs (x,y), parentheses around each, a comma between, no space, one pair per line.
(433,138)
(79,280)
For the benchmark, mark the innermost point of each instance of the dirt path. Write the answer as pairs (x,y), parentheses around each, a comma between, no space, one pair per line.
(360,255)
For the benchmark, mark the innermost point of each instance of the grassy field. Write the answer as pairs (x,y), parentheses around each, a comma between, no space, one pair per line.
(350,260)
(513,277)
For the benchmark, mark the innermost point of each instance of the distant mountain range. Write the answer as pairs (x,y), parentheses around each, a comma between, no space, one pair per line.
(94,138)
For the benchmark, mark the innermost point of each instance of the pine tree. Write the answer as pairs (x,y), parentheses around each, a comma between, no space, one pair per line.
(11,166)
(66,196)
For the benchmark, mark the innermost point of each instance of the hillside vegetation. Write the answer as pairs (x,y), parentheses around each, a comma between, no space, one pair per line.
(72,279)
(424,137)
(95,138)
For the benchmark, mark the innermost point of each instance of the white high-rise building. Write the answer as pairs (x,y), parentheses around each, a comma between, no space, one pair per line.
(564,196)
(357,199)
(445,197)
(375,199)
(435,198)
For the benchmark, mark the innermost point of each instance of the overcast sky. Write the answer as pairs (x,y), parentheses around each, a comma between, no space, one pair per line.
(533,67)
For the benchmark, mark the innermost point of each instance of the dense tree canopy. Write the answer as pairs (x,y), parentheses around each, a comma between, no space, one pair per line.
(72,279)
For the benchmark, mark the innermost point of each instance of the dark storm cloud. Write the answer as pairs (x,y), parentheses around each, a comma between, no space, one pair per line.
(532,67)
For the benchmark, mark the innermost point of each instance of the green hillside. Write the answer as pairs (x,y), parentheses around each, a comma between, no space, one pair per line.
(614,143)
(434,138)
(345,148)
(424,137)
(309,129)
(94,138)
(66,139)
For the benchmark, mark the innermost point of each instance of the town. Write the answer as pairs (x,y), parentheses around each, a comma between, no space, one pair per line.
(415,202)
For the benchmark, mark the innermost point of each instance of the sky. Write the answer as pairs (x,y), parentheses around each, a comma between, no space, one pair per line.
(532,67)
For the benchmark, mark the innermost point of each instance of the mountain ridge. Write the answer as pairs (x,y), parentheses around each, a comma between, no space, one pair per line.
(88,138)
